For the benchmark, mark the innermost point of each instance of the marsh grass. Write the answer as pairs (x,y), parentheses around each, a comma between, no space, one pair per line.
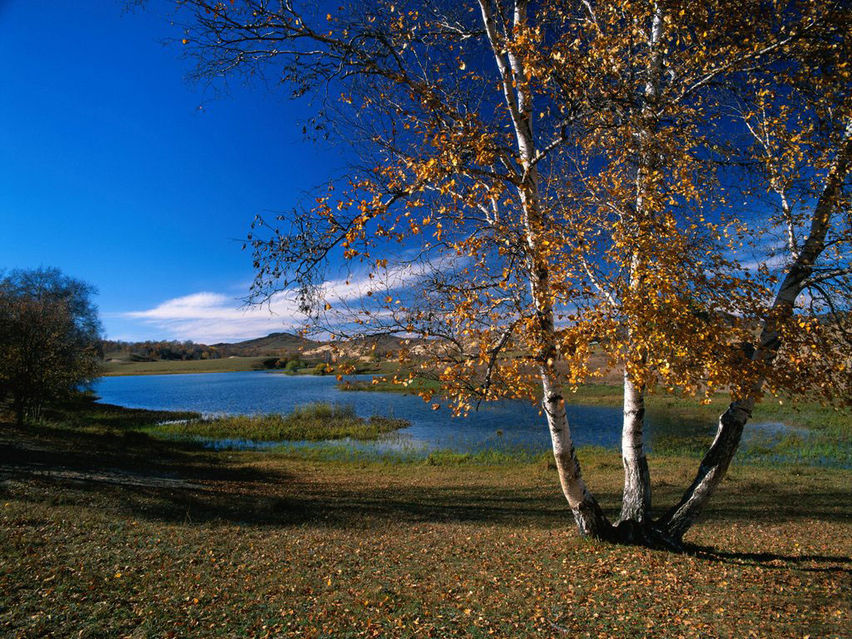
(382,386)
(403,456)
(819,435)
(82,413)
(313,422)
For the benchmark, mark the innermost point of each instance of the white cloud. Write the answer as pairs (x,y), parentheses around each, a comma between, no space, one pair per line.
(771,253)
(210,317)
(215,317)
(773,262)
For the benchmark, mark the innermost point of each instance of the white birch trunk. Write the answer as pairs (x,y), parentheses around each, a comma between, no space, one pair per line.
(587,513)
(729,432)
(636,497)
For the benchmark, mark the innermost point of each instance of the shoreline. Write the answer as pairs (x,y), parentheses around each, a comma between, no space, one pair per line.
(809,415)
(807,438)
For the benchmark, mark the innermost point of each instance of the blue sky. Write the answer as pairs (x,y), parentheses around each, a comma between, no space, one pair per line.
(116,170)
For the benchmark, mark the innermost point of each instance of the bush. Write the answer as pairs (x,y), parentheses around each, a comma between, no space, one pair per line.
(49,338)
(294,365)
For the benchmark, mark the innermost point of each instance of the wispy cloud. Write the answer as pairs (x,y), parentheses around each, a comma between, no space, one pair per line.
(771,253)
(215,317)
(211,317)
(771,262)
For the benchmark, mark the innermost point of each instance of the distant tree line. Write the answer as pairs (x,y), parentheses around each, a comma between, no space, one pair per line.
(154,350)
(160,350)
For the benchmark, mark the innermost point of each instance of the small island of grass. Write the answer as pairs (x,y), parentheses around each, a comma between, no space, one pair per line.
(314,422)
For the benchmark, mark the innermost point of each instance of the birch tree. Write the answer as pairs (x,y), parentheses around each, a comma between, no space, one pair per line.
(528,180)
(798,114)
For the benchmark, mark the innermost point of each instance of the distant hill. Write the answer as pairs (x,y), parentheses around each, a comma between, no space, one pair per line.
(365,348)
(272,344)
(277,345)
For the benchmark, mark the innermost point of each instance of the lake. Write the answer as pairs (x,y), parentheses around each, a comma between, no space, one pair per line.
(504,425)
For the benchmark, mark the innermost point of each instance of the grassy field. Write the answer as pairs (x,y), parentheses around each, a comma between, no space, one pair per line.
(225,365)
(176,367)
(107,532)
(315,422)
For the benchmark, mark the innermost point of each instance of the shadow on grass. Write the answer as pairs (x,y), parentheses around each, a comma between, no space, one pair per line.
(117,453)
(179,482)
(768,560)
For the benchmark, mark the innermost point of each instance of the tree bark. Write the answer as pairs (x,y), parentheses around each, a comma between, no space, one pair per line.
(715,463)
(591,522)
(636,498)
(587,513)
(712,470)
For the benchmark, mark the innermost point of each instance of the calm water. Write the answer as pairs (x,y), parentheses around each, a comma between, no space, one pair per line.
(499,425)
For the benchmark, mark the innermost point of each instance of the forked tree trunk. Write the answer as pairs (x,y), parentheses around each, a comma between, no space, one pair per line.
(591,522)
(636,499)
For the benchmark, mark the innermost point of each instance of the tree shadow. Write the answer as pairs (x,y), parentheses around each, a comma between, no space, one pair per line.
(773,561)
(181,481)
(756,501)
(51,451)
(296,502)
(175,481)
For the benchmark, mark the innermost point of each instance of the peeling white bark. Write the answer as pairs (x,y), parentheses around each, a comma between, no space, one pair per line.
(587,513)
(636,498)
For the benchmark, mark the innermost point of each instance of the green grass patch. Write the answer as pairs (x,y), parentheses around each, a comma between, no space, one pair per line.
(180,367)
(384,386)
(83,413)
(314,422)
(409,456)
(352,368)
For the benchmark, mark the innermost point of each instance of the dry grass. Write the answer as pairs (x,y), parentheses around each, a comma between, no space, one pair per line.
(111,534)
(179,367)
